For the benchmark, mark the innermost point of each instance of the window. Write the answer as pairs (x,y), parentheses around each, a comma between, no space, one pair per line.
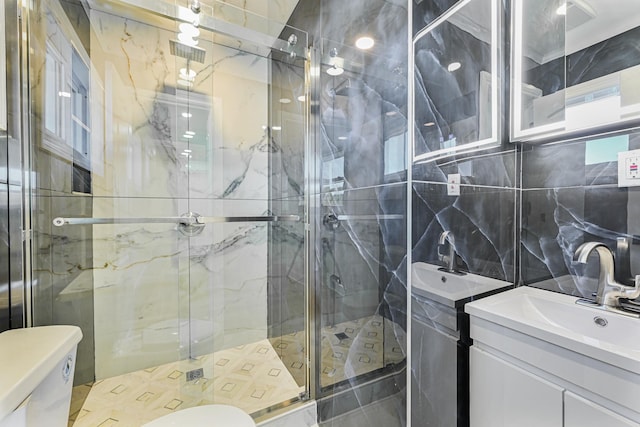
(55,96)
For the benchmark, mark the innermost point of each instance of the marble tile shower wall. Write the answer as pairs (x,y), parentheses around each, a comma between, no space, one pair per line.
(360,202)
(199,288)
(150,294)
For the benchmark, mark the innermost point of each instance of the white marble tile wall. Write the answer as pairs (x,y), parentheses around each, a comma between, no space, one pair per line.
(158,294)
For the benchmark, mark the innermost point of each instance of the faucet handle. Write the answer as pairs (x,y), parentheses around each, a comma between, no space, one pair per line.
(631,292)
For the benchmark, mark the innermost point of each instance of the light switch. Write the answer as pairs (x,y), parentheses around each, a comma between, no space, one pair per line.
(453,184)
(629,168)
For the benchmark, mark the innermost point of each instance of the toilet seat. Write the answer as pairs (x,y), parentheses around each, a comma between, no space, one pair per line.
(205,416)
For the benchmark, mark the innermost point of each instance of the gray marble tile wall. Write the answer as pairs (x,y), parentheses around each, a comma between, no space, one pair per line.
(482,218)
(570,196)
(360,202)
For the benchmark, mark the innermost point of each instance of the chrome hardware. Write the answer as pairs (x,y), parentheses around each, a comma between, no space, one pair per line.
(191,227)
(600,321)
(187,219)
(67,368)
(189,224)
(331,222)
(609,291)
(449,260)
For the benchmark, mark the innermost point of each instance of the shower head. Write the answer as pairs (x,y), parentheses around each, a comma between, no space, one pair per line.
(190,53)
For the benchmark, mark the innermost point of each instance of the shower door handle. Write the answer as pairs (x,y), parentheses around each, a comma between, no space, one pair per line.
(262,218)
(187,219)
(189,224)
(60,221)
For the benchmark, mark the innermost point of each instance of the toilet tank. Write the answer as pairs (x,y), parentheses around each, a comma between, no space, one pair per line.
(37,367)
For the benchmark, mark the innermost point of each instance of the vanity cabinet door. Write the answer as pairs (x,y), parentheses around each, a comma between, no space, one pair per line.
(502,395)
(580,412)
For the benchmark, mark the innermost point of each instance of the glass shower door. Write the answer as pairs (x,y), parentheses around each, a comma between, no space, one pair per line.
(245,296)
(169,204)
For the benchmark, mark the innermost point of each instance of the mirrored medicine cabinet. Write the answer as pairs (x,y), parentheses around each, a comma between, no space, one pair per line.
(575,65)
(456,81)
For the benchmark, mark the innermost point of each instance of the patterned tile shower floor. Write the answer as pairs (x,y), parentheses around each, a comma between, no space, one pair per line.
(349,349)
(251,377)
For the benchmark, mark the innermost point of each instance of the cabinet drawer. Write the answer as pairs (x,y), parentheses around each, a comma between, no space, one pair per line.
(502,395)
(580,412)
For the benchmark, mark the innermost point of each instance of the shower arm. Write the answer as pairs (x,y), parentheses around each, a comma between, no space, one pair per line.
(186,219)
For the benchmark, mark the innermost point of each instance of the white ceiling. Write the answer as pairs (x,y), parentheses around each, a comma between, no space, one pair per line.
(543,27)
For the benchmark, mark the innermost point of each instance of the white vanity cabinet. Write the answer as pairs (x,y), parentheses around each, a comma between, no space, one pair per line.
(504,395)
(540,360)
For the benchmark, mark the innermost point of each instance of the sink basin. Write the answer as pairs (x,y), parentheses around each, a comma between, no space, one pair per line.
(556,318)
(450,289)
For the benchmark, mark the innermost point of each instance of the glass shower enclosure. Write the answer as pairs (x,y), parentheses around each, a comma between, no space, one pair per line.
(167,175)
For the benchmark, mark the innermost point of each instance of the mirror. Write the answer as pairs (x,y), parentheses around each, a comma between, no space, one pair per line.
(575,66)
(456,74)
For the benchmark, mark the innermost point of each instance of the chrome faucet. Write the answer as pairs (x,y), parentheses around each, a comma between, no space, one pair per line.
(450,259)
(609,291)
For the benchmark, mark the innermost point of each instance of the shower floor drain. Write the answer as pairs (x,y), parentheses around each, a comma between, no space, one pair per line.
(342,336)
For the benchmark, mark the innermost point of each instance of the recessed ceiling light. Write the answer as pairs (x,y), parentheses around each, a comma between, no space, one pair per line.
(391,113)
(365,42)
(285,101)
(334,71)
(276,127)
(187,115)
(187,151)
(187,136)
(185,154)
(342,138)
(429,124)
(302,98)
(454,66)
(562,10)
(189,132)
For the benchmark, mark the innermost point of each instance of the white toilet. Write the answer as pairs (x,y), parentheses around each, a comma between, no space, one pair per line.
(205,416)
(36,375)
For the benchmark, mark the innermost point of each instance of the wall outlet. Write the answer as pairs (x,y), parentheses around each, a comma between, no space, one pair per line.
(453,184)
(629,168)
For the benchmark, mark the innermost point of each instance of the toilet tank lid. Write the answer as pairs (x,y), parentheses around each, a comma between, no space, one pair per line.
(27,356)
